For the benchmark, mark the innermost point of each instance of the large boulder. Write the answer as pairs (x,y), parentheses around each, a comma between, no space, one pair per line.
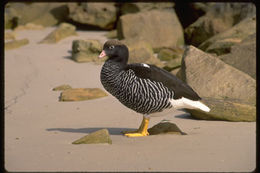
(218,18)
(143,6)
(211,77)
(226,110)
(41,13)
(141,52)
(243,56)
(102,15)
(222,42)
(160,28)
(204,28)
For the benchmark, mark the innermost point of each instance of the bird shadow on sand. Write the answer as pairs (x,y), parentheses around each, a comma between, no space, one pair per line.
(112,131)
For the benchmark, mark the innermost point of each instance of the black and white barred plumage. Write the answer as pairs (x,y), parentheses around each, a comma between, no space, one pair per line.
(144,88)
(142,95)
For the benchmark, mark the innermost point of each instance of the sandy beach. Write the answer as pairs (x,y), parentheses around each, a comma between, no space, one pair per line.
(39,129)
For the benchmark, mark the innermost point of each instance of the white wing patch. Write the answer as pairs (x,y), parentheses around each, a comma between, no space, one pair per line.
(189,104)
(146,65)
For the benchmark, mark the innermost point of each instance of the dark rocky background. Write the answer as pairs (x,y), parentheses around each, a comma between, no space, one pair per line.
(210,46)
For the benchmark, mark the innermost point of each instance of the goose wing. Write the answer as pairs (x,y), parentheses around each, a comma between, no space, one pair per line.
(170,81)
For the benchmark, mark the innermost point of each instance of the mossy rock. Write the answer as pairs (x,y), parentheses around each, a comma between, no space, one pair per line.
(97,137)
(225,109)
(166,54)
(173,64)
(16,44)
(80,94)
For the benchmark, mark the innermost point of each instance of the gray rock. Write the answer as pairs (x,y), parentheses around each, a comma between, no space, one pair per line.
(226,110)
(211,77)
(243,56)
(143,6)
(160,28)
(41,13)
(102,15)
(222,42)
(219,17)
(97,137)
(204,28)
(87,51)
(63,31)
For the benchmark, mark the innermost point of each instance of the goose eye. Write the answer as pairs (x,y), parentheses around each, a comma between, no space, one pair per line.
(111,47)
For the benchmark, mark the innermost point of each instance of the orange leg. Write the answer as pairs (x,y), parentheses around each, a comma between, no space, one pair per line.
(141,131)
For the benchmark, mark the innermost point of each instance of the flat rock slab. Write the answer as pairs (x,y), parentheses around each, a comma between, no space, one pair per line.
(165,128)
(97,137)
(62,87)
(79,94)
(225,109)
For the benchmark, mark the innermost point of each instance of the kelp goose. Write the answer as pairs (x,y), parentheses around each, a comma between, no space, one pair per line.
(144,88)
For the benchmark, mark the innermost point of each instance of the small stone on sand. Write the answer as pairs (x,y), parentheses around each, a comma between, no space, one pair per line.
(165,128)
(16,44)
(97,137)
(80,94)
(62,87)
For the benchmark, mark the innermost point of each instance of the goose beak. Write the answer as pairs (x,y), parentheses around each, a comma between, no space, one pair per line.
(102,54)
